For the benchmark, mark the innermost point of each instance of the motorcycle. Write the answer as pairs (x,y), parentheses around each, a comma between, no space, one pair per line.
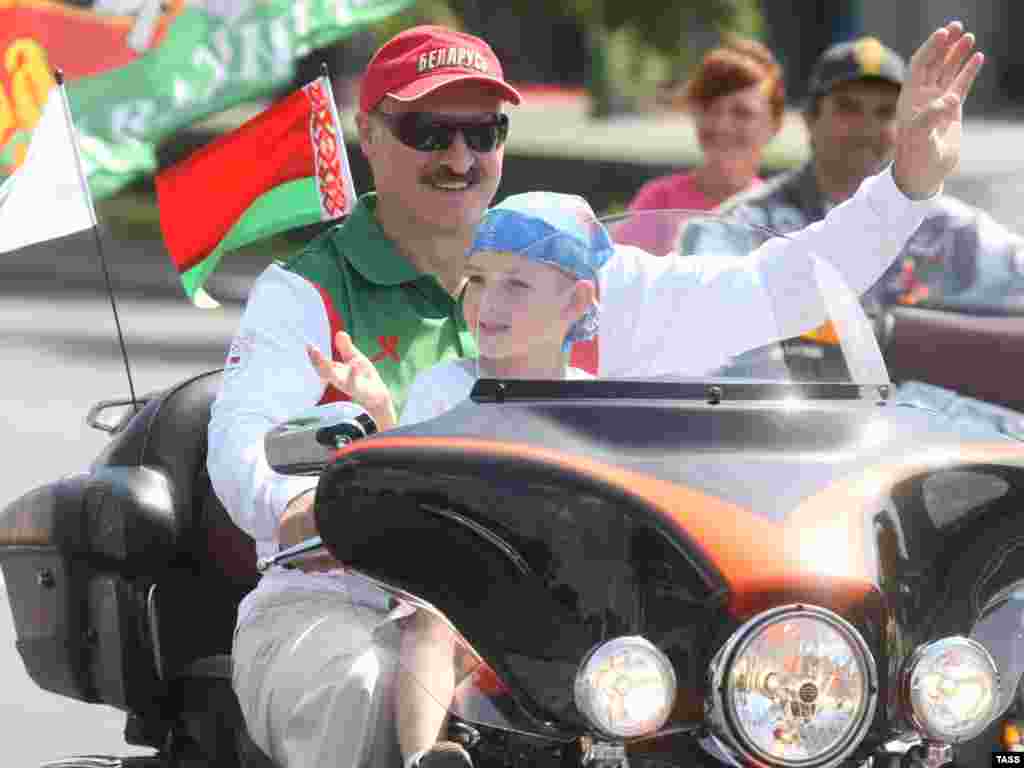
(701,557)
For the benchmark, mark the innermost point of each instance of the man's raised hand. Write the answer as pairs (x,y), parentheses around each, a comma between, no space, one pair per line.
(929,112)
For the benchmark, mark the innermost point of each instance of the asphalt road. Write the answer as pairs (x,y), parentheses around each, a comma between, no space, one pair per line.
(58,355)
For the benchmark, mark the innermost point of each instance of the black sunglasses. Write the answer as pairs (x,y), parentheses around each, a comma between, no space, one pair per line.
(427,132)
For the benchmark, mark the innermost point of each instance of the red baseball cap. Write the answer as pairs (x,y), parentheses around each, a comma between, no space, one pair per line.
(422,59)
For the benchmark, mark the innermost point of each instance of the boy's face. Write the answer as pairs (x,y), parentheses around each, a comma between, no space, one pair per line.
(519,308)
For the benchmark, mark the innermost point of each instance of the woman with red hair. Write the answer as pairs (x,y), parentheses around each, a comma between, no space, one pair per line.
(737,97)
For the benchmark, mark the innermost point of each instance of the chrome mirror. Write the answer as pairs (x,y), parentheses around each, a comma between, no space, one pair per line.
(308,442)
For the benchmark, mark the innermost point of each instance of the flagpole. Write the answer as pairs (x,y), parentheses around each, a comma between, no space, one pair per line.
(350,188)
(59,77)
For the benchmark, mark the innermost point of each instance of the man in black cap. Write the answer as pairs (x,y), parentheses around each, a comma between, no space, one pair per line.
(851,119)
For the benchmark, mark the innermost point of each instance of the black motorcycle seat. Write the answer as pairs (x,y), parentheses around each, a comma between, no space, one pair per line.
(169,434)
(211,563)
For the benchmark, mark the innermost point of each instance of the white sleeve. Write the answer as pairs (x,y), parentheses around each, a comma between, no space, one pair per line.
(267,379)
(687,314)
(434,391)
(862,236)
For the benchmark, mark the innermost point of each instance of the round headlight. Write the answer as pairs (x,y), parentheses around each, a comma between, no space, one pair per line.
(626,687)
(950,689)
(795,685)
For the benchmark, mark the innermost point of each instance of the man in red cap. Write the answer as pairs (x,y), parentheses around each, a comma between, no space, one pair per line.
(432,128)
(307,669)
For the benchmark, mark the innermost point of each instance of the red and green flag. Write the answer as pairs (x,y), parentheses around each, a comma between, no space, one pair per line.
(138,71)
(285,168)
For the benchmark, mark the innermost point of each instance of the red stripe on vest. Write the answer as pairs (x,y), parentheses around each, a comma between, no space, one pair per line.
(331,395)
(584,356)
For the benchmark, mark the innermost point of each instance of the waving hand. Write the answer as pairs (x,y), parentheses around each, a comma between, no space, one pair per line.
(356,376)
(930,110)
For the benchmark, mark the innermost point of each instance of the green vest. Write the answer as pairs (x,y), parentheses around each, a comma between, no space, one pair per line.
(400,318)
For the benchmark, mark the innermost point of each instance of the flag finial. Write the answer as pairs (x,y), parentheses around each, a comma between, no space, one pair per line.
(58,75)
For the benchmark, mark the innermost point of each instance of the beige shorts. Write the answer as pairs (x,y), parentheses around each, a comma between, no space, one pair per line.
(314,691)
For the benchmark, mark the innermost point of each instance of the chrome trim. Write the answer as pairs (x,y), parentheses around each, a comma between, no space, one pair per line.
(153,623)
(719,750)
(602,754)
(935,754)
(92,417)
(485,533)
(1012,591)
(907,671)
(464,733)
(296,552)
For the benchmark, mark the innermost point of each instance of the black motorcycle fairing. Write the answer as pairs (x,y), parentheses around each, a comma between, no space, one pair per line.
(536,566)
(403,508)
(940,533)
(569,585)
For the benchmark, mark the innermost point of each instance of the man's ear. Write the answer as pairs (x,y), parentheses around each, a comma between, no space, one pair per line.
(365,129)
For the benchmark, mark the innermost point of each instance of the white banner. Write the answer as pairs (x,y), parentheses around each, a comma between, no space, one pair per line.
(46,197)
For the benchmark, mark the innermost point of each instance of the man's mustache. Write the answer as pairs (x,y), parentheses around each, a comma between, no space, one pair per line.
(445,175)
(874,145)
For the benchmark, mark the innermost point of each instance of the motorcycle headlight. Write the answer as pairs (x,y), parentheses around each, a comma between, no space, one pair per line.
(795,685)
(949,689)
(625,687)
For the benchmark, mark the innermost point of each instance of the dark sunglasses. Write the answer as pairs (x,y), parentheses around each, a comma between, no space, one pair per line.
(426,132)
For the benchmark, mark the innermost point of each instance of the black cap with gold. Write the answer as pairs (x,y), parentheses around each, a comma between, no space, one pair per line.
(863,59)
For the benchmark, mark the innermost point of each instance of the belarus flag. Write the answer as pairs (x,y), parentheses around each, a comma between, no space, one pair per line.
(46,197)
(285,168)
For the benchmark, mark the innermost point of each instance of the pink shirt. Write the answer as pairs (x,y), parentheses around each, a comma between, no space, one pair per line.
(677,190)
(657,234)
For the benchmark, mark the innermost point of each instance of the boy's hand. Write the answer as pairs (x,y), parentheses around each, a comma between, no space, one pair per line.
(357,377)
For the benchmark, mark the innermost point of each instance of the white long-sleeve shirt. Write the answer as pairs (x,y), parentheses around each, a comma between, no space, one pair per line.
(650,305)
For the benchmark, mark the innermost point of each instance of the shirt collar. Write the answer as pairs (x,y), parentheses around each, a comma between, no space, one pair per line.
(369,250)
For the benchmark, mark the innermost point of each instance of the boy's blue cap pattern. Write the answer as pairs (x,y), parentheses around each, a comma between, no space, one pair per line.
(550,228)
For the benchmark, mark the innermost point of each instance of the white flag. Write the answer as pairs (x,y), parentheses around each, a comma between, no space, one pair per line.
(47,197)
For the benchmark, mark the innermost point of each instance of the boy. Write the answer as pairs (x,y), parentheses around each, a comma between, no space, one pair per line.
(530,292)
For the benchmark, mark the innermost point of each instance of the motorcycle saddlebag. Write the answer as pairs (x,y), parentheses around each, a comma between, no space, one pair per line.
(77,556)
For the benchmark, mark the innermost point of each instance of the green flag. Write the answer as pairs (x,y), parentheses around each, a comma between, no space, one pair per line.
(214,54)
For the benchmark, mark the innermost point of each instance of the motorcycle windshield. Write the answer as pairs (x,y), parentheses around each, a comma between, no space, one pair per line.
(670,295)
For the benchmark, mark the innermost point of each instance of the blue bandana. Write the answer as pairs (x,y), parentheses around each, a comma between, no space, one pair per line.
(550,228)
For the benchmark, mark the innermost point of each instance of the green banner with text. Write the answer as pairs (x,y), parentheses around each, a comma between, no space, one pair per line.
(135,79)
